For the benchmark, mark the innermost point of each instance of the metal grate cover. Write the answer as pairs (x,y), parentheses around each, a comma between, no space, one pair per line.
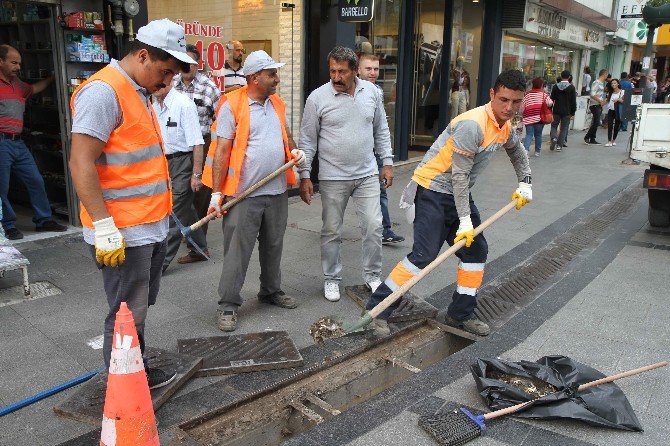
(250,352)
(87,403)
(502,298)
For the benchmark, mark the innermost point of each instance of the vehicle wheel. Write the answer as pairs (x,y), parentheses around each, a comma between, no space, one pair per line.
(658,217)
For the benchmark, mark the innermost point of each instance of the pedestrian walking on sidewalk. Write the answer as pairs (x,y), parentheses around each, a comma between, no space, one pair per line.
(614,103)
(586,82)
(121,175)
(597,101)
(15,158)
(253,141)
(345,119)
(532,104)
(205,94)
(564,96)
(368,70)
(444,208)
(182,141)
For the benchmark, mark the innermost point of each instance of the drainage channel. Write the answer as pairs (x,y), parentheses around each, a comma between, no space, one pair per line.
(294,406)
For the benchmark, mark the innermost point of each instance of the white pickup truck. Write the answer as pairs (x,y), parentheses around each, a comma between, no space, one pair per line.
(651,144)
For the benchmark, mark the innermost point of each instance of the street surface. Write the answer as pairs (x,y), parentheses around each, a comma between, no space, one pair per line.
(608,309)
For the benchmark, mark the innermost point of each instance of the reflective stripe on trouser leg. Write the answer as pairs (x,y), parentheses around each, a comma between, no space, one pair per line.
(402,272)
(464,299)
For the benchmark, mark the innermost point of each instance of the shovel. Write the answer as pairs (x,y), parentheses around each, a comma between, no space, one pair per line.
(330,327)
(188,230)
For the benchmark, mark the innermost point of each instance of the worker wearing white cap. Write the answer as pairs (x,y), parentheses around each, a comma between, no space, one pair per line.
(253,141)
(121,175)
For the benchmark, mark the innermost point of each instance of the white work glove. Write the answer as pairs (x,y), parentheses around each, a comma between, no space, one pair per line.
(523,195)
(299,157)
(407,201)
(465,231)
(110,246)
(215,203)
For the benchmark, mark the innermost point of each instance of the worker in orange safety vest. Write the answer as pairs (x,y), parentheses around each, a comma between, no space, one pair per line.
(121,175)
(253,141)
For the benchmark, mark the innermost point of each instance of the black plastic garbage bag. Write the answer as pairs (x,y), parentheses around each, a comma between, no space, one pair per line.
(604,405)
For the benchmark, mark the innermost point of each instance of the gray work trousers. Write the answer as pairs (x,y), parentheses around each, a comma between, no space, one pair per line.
(263,218)
(136,282)
(181,170)
(334,198)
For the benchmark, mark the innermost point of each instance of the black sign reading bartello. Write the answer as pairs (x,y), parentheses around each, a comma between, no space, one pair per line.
(355,10)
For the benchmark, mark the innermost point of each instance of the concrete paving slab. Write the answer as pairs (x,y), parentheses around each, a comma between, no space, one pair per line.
(400,430)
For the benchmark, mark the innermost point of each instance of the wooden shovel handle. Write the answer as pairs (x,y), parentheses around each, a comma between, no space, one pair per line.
(383,305)
(608,379)
(209,217)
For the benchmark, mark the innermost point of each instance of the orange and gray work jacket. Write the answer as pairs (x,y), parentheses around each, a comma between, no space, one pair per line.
(132,167)
(463,150)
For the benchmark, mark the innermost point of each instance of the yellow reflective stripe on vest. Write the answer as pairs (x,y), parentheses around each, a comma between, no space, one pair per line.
(128,158)
(144,190)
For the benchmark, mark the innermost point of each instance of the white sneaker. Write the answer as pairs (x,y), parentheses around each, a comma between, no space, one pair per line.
(608,144)
(373,284)
(331,289)
(614,143)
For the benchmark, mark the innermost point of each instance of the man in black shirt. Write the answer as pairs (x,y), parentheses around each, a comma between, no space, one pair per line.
(564,96)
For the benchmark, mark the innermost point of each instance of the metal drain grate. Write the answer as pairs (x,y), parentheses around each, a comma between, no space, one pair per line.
(87,402)
(505,296)
(38,290)
(243,353)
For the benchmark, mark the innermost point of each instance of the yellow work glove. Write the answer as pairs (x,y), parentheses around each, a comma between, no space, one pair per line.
(523,195)
(110,246)
(465,231)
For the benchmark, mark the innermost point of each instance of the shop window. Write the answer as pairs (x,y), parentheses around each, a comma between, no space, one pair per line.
(380,36)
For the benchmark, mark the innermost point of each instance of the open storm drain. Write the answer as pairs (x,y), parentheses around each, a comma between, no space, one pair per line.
(324,389)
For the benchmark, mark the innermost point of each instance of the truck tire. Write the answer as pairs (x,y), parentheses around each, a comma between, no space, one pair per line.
(659,204)
(658,217)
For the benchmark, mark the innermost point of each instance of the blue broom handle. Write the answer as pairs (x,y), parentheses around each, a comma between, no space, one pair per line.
(30,400)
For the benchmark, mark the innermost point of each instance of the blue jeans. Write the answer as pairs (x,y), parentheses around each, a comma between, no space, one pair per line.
(15,159)
(384,202)
(534,130)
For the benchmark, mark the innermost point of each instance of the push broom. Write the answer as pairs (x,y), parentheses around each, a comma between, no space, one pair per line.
(461,426)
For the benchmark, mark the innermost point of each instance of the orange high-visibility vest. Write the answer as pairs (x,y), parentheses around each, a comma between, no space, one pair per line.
(239,104)
(132,167)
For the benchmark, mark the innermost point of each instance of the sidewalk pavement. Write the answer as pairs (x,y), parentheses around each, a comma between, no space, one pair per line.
(44,342)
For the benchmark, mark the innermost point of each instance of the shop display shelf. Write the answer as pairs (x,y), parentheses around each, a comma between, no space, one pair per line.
(85,30)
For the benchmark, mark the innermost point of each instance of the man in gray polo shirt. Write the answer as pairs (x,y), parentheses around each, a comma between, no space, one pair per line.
(345,119)
(262,215)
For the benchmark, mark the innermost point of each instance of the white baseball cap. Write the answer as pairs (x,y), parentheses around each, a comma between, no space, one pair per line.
(167,36)
(258,61)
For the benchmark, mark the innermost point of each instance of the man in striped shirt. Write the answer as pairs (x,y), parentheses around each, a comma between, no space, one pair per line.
(15,158)
(233,71)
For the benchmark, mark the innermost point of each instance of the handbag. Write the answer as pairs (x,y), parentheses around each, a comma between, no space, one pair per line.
(546,114)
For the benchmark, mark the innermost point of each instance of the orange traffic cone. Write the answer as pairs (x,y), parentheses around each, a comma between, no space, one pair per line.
(128,418)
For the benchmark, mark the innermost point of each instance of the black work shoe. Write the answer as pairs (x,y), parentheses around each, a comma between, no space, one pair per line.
(13,234)
(390,238)
(279,299)
(158,377)
(552,146)
(227,320)
(474,326)
(51,226)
